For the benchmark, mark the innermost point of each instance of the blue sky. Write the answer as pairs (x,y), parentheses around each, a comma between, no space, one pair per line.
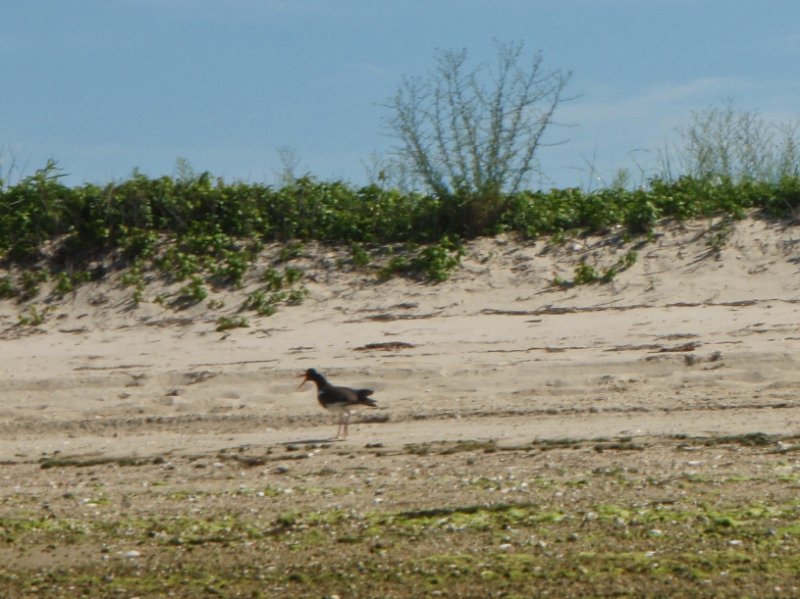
(105,86)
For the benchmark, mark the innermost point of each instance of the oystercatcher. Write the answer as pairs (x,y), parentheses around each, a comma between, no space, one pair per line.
(339,400)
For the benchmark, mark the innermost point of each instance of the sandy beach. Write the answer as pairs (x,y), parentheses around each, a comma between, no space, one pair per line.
(692,341)
(685,341)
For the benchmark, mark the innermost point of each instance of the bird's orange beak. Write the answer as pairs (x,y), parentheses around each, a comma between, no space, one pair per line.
(303,382)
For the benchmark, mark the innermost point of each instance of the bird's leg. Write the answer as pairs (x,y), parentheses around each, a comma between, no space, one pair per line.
(339,428)
(346,422)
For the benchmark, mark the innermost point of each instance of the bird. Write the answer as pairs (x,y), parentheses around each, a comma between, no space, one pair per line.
(339,400)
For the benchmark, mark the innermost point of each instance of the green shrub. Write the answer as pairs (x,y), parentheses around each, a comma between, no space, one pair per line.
(292,275)
(624,263)
(290,251)
(278,289)
(194,292)
(67,282)
(437,261)
(33,318)
(295,297)
(586,274)
(233,267)
(433,263)
(273,279)
(262,303)
(30,281)
(395,265)
(359,255)
(225,323)
(7,289)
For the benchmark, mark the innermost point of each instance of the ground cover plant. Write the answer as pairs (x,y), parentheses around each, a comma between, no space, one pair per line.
(206,234)
(540,518)
(206,223)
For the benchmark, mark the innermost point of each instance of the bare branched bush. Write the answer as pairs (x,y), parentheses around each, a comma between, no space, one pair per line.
(730,144)
(289,163)
(472,134)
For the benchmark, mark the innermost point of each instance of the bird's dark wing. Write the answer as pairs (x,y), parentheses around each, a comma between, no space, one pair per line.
(344,395)
(331,394)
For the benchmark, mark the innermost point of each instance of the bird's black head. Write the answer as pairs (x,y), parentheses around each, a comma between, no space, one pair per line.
(311,375)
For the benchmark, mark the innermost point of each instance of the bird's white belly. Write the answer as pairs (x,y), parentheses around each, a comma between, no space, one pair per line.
(337,408)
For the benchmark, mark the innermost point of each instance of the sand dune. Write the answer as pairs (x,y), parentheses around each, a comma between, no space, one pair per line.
(689,339)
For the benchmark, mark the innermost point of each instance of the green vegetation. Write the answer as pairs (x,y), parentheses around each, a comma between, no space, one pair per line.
(207,234)
(279,288)
(433,263)
(586,274)
(34,317)
(226,323)
(612,541)
(208,225)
